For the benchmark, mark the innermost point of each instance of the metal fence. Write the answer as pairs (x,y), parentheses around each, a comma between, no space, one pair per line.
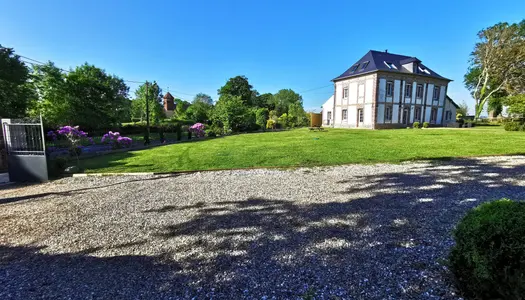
(24,138)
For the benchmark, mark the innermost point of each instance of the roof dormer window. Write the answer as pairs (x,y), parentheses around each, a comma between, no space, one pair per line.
(364,65)
(423,70)
(390,65)
(354,68)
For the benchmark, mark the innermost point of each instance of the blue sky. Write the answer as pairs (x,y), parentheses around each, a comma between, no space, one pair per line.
(195,46)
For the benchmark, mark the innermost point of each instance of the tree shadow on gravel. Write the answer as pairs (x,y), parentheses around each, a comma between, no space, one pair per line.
(373,237)
(26,273)
(388,232)
(129,179)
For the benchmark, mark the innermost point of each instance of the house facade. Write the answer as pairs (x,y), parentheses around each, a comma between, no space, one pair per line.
(384,90)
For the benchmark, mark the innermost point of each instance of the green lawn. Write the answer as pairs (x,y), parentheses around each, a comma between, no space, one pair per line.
(302,147)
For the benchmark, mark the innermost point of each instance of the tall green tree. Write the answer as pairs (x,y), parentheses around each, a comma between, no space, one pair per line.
(265,101)
(462,110)
(495,105)
(181,108)
(239,87)
(283,98)
(232,113)
(495,101)
(496,63)
(97,99)
(16,92)
(200,112)
(54,102)
(516,105)
(261,117)
(297,115)
(202,98)
(152,93)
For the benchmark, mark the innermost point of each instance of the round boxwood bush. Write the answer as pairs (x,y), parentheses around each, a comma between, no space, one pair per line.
(488,259)
(512,126)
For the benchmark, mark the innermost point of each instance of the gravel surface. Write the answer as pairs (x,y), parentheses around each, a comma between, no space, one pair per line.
(347,232)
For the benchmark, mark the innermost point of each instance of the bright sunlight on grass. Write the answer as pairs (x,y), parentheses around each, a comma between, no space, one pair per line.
(302,147)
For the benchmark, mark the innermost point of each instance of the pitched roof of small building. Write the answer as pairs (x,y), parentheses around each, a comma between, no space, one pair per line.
(168,96)
(384,61)
(452,101)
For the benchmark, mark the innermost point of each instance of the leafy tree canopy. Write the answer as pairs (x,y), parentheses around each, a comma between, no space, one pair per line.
(516,105)
(53,97)
(16,92)
(97,100)
(239,87)
(148,92)
(231,113)
(496,64)
(283,98)
(463,109)
(202,98)
(265,101)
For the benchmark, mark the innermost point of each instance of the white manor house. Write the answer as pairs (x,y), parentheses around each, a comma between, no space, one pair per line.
(385,90)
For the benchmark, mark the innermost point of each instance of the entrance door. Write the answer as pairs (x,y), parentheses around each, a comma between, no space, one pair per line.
(360,117)
(405,116)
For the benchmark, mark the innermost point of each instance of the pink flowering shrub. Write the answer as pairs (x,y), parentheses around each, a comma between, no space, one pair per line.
(197,129)
(116,140)
(74,137)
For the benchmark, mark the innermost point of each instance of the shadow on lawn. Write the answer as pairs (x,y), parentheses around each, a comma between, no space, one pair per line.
(388,242)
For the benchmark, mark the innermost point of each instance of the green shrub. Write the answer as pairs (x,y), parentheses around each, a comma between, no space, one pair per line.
(217,130)
(270,124)
(512,126)
(210,133)
(56,166)
(178,132)
(426,124)
(415,125)
(161,135)
(488,259)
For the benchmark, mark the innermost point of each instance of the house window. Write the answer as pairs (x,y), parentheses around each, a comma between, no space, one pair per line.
(345,114)
(329,115)
(360,116)
(354,68)
(408,90)
(390,65)
(419,91)
(417,114)
(433,115)
(435,96)
(388,112)
(423,70)
(389,88)
(345,93)
(364,65)
(448,115)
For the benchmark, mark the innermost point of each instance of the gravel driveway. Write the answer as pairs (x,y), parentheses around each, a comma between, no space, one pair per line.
(348,232)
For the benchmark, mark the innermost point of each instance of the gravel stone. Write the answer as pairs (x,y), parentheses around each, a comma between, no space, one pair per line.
(347,232)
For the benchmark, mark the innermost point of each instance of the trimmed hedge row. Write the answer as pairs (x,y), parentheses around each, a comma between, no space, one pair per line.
(134,129)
